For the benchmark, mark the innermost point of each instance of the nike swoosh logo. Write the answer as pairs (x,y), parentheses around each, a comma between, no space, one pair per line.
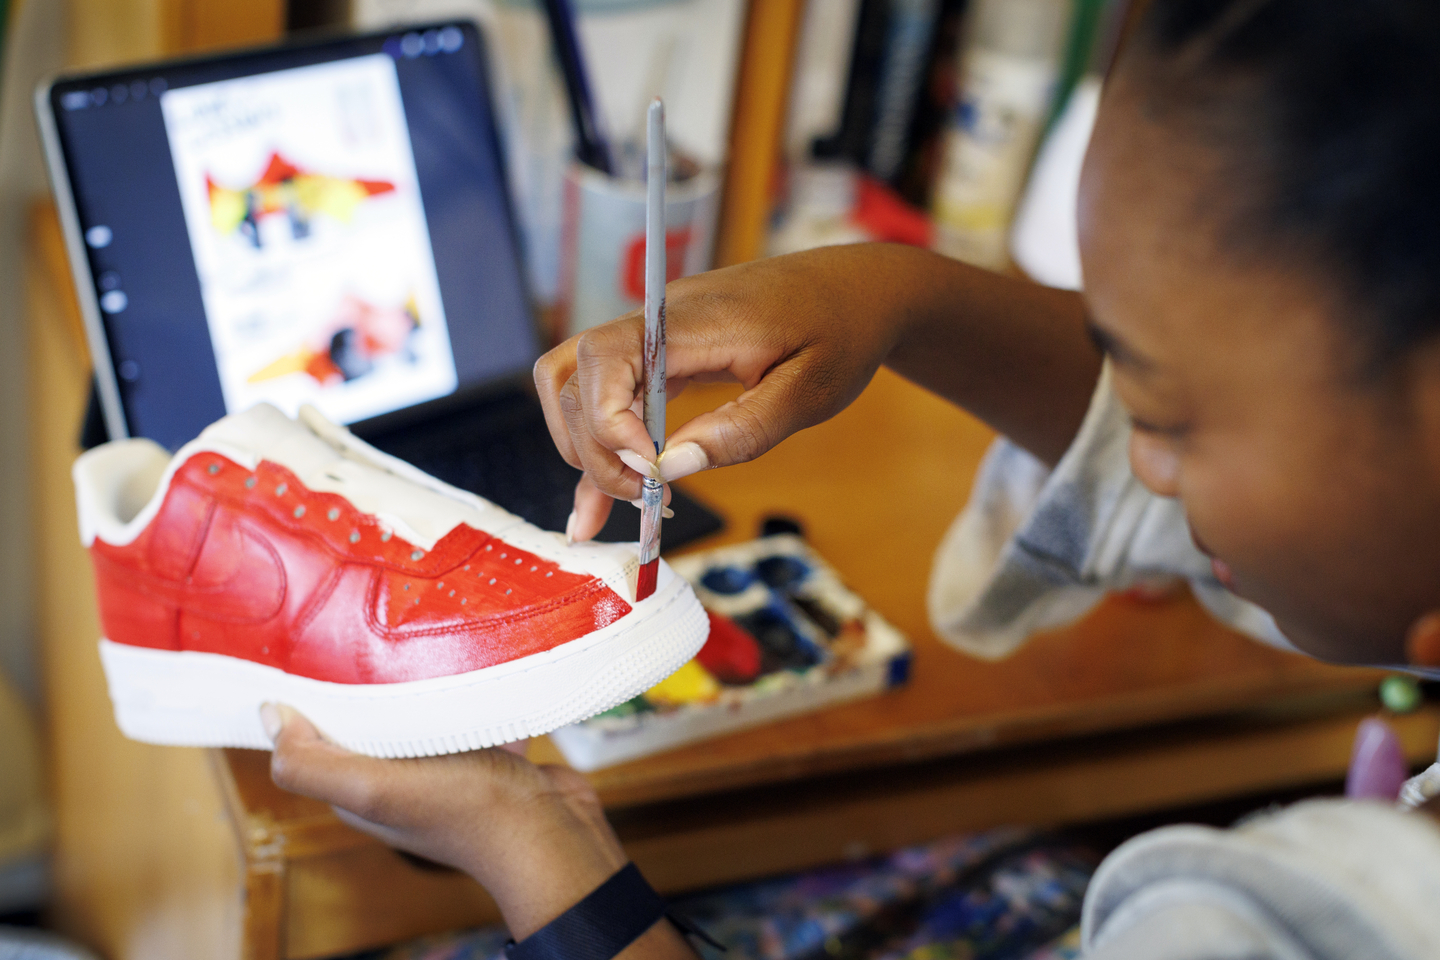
(238,576)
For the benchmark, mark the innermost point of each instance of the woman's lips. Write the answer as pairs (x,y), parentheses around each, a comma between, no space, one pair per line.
(1221,569)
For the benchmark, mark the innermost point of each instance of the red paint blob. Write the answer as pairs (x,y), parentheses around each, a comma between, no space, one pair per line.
(731,655)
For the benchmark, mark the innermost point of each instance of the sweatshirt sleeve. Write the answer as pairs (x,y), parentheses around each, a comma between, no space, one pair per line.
(1036,549)
(1321,880)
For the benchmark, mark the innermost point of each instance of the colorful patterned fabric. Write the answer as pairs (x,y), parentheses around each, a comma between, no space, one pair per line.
(487,943)
(1005,894)
(1065,948)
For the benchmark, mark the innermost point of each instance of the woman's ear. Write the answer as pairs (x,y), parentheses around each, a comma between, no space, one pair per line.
(1422,379)
(1422,643)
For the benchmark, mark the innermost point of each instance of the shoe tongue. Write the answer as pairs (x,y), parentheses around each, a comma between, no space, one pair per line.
(267,434)
(418,514)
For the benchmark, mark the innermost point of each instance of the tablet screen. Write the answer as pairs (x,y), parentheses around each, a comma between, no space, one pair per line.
(321,224)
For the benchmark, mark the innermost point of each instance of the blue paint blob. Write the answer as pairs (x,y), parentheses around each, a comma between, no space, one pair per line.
(781,572)
(899,671)
(727,581)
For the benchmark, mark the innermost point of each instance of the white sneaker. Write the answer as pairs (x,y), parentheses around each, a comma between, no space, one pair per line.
(281,560)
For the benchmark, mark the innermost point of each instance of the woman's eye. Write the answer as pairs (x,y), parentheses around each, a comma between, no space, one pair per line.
(1168,432)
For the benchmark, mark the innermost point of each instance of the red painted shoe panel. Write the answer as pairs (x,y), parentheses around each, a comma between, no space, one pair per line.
(256,565)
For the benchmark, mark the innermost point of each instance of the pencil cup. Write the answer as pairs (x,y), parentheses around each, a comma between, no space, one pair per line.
(602,245)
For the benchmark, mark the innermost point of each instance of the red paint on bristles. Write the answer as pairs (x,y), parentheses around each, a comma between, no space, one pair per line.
(645,583)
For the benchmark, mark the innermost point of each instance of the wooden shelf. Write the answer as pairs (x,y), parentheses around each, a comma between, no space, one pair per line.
(772,28)
(105,32)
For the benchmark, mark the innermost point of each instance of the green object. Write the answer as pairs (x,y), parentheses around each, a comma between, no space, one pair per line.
(4,28)
(630,708)
(1400,694)
(1080,50)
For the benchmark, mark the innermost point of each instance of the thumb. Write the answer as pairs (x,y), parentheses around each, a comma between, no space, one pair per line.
(787,400)
(1378,768)
(306,763)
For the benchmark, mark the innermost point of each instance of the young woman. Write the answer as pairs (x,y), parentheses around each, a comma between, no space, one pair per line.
(1260,232)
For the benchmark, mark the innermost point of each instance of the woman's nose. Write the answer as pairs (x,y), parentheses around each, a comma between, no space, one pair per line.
(1155,463)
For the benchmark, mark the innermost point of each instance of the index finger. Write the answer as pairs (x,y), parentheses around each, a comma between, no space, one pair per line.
(590,427)
(552,371)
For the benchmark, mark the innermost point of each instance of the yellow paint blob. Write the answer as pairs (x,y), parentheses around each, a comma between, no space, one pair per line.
(692,683)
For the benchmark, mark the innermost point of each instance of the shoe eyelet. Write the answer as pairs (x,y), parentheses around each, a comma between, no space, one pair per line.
(299,511)
(517,561)
(250,482)
(452,593)
(462,601)
(416,554)
(385,537)
(533,569)
(280,490)
(492,582)
(489,546)
(440,585)
(503,556)
(354,536)
(507,592)
(334,514)
(467,566)
(213,469)
(550,573)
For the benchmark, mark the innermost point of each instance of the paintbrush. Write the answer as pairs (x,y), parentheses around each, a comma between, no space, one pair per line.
(591,145)
(652,494)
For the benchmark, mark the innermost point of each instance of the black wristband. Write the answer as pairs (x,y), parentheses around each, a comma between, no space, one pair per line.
(608,920)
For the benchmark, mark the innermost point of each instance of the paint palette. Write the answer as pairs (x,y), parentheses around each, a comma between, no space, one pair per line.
(786,637)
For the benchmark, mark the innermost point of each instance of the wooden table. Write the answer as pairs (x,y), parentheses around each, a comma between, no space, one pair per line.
(170,852)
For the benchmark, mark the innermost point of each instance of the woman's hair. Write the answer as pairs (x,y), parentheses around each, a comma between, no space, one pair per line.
(1327,116)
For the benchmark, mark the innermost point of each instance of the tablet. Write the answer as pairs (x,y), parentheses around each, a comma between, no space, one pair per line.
(323,222)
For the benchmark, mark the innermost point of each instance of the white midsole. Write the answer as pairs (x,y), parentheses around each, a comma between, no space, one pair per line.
(208,699)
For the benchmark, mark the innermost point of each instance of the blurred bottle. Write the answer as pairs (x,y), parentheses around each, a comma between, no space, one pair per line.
(1008,71)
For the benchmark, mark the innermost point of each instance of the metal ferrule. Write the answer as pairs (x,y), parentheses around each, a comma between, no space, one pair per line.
(652,497)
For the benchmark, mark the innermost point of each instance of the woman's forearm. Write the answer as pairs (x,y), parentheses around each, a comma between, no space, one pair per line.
(1013,353)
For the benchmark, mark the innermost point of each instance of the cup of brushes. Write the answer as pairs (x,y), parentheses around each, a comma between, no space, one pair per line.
(602,254)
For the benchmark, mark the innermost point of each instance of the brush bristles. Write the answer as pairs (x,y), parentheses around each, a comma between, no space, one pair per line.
(645,583)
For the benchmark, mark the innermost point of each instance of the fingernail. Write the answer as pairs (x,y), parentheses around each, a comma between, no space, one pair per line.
(1377,764)
(636,462)
(682,460)
(665,512)
(271,720)
(570,529)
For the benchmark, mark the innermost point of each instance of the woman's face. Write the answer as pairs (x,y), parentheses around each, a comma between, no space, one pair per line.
(1314,488)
